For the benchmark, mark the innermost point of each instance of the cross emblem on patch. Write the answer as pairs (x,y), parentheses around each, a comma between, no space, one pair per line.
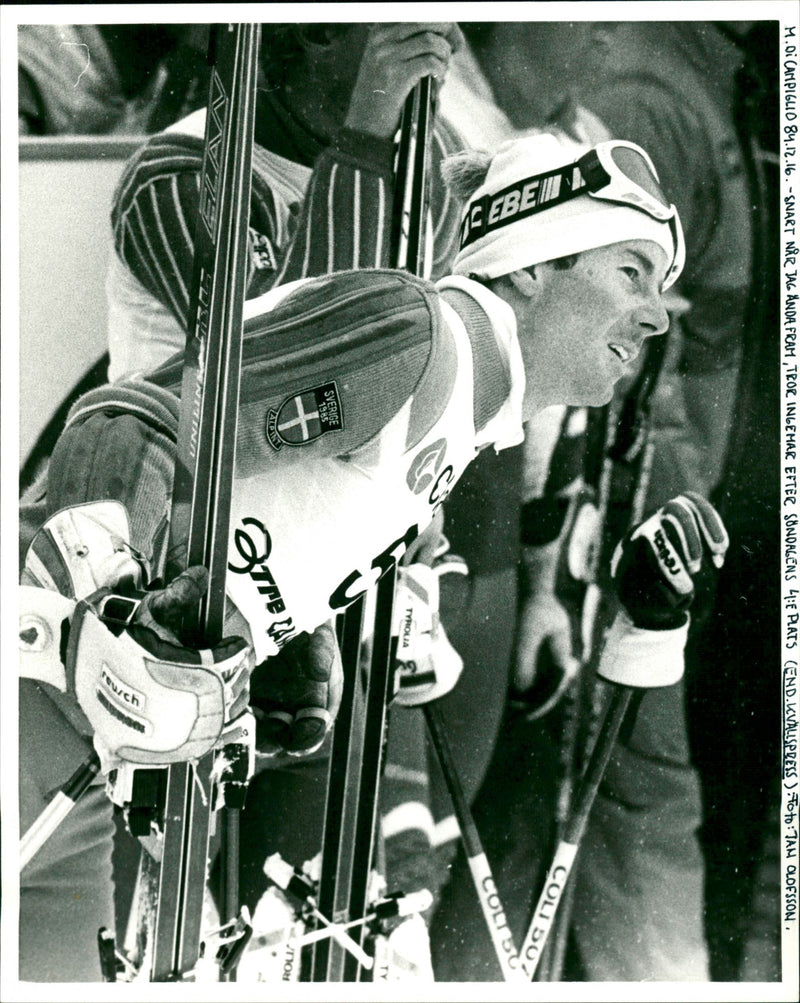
(305,416)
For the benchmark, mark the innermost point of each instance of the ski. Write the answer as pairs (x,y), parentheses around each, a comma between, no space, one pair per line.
(327,964)
(175,877)
(351,812)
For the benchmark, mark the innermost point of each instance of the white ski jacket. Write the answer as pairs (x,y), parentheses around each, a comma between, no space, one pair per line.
(364,397)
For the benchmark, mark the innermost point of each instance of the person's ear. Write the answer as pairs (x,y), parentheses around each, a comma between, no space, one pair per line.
(525,281)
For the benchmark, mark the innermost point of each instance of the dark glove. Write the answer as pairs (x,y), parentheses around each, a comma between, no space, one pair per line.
(296,694)
(658,566)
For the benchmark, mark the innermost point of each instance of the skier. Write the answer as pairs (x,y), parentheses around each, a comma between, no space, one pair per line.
(322,179)
(347,447)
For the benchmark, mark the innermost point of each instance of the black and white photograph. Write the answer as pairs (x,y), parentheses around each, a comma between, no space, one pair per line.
(406,587)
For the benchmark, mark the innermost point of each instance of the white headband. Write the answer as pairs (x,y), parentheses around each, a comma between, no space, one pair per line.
(581,224)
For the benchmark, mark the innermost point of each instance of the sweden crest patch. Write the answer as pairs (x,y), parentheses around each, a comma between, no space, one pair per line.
(305,416)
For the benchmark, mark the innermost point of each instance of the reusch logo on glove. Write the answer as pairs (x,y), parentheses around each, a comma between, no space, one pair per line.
(666,556)
(122,692)
(305,416)
(114,693)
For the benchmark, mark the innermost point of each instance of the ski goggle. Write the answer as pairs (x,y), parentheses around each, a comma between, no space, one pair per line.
(615,171)
(622,172)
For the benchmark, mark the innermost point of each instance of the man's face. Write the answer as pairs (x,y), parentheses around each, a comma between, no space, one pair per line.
(582,330)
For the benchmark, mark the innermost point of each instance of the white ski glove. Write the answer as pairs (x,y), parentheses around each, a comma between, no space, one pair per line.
(427,664)
(82,549)
(87,630)
(656,568)
(149,699)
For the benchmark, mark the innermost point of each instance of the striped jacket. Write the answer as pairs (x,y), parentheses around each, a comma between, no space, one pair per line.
(303,222)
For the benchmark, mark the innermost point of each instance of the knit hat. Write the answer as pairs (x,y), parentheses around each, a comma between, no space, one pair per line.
(508,225)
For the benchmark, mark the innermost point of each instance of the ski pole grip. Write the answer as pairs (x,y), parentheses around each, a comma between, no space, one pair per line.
(288,878)
(404,905)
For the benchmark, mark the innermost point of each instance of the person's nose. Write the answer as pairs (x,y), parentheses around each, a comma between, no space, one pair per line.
(652,317)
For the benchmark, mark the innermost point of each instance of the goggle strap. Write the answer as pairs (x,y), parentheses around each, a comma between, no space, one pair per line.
(597,177)
(520,200)
(535,194)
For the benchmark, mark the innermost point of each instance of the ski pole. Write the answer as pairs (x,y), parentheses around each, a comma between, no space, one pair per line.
(491,905)
(57,810)
(567,849)
(295,885)
(343,940)
(621,445)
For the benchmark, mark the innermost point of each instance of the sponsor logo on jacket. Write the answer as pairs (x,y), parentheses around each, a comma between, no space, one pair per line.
(426,472)
(254,548)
